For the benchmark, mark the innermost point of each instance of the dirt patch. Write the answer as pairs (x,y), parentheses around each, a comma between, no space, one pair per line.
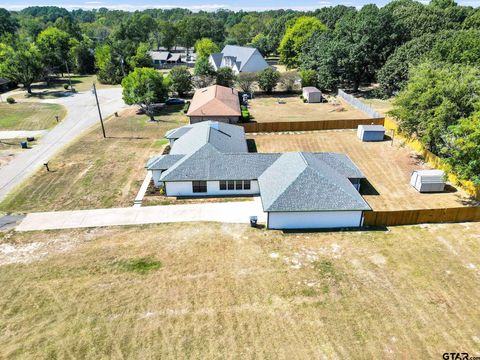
(292,108)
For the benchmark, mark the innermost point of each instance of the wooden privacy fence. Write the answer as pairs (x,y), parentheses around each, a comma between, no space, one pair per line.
(281,126)
(420,216)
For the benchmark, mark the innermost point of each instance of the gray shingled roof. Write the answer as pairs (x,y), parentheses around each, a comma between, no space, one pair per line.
(224,137)
(177,132)
(304,182)
(241,53)
(209,164)
(159,55)
(217,59)
(163,162)
(342,164)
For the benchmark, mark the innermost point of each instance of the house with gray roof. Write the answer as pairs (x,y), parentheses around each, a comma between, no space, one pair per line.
(239,59)
(162,58)
(297,190)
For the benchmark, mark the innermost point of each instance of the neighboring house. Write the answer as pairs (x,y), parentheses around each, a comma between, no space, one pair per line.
(239,59)
(162,58)
(298,190)
(218,103)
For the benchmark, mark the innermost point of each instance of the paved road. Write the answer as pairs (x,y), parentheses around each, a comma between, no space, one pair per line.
(227,212)
(82,113)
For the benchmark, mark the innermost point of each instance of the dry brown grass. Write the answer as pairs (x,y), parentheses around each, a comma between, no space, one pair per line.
(266,109)
(94,172)
(229,291)
(387,168)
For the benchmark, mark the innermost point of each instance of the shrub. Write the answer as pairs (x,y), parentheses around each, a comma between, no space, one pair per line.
(301,97)
(65,86)
(304,100)
(245,115)
(10,100)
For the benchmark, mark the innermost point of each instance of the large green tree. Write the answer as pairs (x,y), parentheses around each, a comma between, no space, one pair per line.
(437,96)
(108,65)
(8,24)
(296,36)
(225,77)
(181,80)
(205,47)
(393,76)
(55,46)
(22,64)
(462,148)
(142,57)
(268,79)
(144,87)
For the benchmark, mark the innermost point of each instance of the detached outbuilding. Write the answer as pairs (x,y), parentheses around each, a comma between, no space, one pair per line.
(312,94)
(428,180)
(371,132)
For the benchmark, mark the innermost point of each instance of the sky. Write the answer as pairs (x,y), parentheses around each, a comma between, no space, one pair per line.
(196,5)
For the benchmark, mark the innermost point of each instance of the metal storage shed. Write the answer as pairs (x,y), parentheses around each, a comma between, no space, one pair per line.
(312,94)
(428,180)
(371,132)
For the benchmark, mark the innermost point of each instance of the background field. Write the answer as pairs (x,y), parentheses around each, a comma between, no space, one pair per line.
(229,291)
(42,90)
(94,172)
(266,109)
(29,115)
(387,168)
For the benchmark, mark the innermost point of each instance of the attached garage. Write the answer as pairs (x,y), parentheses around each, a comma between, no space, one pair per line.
(302,191)
(314,219)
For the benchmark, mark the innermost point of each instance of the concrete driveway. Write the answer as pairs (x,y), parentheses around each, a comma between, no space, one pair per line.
(82,113)
(227,212)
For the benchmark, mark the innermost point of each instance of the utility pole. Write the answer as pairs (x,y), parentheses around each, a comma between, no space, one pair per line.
(94,90)
(69,78)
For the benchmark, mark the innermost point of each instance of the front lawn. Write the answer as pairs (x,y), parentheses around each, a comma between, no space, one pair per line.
(227,291)
(30,115)
(94,172)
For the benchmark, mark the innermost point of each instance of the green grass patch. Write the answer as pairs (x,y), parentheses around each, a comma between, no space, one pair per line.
(159,143)
(141,266)
(30,116)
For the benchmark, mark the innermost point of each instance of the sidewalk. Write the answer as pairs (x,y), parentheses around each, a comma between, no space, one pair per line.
(17,134)
(227,212)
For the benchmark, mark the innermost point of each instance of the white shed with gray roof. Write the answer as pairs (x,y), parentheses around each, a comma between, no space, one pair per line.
(371,132)
(312,94)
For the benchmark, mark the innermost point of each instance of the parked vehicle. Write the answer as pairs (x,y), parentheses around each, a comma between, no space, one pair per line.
(175,101)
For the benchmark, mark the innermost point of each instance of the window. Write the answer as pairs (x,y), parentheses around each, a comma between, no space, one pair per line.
(199,186)
(235,185)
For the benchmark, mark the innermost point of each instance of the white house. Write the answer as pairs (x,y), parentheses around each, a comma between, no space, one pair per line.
(298,190)
(239,59)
